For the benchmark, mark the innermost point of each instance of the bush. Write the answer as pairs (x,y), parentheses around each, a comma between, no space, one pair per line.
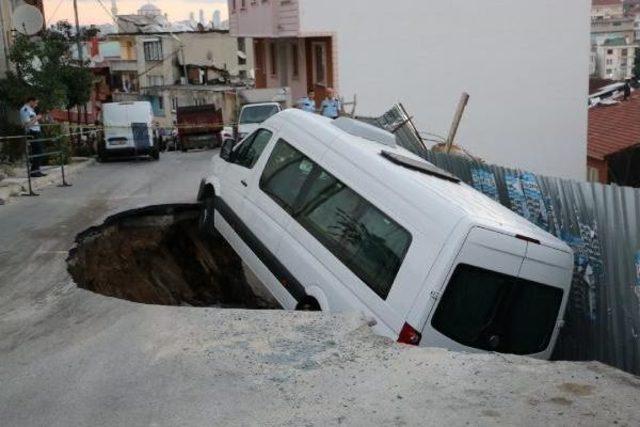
(61,144)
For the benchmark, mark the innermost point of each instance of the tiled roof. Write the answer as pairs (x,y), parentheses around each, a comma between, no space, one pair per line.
(614,128)
(606,2)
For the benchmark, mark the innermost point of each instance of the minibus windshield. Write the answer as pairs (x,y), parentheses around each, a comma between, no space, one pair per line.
(495,312)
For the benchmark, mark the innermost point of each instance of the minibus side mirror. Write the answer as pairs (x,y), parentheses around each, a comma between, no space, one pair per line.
(227,149)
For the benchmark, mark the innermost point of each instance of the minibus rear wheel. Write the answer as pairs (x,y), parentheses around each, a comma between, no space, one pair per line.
(308,304)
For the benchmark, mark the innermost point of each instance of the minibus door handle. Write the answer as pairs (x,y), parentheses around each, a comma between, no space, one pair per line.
(243,182)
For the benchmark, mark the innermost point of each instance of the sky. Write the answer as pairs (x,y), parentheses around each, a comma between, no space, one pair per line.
(90,11)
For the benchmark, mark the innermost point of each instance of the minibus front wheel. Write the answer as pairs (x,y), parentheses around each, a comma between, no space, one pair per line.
(205,221)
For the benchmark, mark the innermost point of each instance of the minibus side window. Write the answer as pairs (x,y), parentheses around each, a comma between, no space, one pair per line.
(491,311)
(361,236)
(249,152)
(286,172)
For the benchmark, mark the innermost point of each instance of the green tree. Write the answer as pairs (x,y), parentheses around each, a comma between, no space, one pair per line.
(45,68)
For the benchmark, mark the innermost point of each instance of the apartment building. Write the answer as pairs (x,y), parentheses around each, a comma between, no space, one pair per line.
(180,69)
(615,59)
(606,9)
(7,28)
(522,113)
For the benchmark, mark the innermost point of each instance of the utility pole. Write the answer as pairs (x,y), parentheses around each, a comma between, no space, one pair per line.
(464,99)
(80,56)
(78,44)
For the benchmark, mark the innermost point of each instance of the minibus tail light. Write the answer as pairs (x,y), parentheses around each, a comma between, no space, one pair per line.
(410,336)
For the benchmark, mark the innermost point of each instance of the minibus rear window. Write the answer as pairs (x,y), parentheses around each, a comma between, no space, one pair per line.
(496,312)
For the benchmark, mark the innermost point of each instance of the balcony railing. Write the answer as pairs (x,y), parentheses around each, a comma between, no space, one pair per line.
(123,65)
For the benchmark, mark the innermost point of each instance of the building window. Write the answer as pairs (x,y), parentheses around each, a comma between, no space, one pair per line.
(625,52)
(273,56)
(174,103)
(243,4)
(609,51)
(233,5)
(153,50)
(609,71)
(157,104)
(295,60)
(242,47)
(609,61)
(155,80)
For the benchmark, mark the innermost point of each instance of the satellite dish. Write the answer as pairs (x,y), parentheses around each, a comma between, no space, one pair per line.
(27,20)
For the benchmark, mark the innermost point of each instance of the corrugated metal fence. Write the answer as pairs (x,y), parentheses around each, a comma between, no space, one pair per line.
(600,222)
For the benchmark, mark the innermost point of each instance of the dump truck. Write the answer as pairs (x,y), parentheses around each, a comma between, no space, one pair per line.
(199,126)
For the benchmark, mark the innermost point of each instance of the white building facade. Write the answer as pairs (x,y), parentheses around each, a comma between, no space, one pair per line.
(615,59)
(605,9)
(525,65)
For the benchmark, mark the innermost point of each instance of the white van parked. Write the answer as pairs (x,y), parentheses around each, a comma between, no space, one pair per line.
(252,115)
(127,130)
(333,215)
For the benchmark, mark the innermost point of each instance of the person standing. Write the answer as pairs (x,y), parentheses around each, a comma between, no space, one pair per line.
(331,106)
(627,90)
(31,121)
(308,103)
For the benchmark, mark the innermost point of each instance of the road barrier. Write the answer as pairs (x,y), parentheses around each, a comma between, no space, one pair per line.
(601,223)
(30,155)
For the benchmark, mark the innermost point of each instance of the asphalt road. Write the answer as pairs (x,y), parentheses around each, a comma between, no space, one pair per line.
(69,357)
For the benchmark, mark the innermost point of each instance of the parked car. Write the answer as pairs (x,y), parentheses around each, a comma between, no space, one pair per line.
(334,215)
(199,126)
(127,131)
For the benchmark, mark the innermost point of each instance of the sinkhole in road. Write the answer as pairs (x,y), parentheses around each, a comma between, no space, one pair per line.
(157,255)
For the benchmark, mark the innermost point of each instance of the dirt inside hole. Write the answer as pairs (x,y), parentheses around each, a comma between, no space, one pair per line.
(156,255)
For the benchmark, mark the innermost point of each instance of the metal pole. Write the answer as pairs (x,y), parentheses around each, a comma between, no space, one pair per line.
(464,99)
(62,155)
(78,44)
(27,156)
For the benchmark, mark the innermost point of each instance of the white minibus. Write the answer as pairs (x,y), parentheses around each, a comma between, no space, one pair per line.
(334,215)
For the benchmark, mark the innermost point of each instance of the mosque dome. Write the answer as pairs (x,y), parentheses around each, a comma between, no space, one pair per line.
(149,10)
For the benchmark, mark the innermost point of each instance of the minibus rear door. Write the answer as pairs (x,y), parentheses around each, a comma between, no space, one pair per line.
(544,279)
(485,269)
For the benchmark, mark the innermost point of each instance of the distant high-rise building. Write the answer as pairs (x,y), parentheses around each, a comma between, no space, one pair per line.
(192,16)
(114,8)
(201,17)
(217,19)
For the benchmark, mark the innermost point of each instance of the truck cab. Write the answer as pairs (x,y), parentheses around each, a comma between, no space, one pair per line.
(252,115)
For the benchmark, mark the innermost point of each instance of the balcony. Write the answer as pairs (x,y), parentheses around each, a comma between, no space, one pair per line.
(123,65)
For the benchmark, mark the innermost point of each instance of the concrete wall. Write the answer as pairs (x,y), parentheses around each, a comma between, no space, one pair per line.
(275,18)
(6,9)
(220,50)
(524,63)
(298,85)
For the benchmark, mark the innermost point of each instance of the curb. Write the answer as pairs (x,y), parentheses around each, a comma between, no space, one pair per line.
(13,187)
